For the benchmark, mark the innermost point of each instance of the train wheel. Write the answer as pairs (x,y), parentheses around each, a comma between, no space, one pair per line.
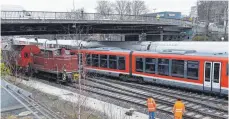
(123,77)
(140,80)
(57,79)
(64,76)
(30,71)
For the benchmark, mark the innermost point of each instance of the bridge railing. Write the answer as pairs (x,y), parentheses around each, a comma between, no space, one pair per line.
(43,15)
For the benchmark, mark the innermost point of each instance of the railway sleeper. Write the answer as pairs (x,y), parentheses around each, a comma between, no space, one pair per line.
(125,77)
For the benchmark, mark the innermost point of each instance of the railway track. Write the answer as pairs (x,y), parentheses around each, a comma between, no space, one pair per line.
(195,109)
(214,102)
(137,94)
(37,109)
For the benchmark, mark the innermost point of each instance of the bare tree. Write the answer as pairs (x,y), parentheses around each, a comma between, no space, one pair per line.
(122,7)
(76,14)
(226,20)
(204,8)
(139,7)
(211,12)
(104,7)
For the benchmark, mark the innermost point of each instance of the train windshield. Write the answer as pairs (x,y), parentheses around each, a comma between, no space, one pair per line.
(67,52)
(56,52)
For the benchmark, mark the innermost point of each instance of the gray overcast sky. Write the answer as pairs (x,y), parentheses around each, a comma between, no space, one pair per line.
(183,6)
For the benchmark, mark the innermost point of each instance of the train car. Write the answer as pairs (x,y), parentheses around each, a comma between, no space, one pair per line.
(56,63)
(198,71)
(187,69)
(19,57)
(107,62)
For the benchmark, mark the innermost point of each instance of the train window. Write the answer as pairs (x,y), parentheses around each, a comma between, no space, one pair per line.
(72,53)
(139,64)
(88,59)
(216,72)
(207,72)
(121,63)
(178,68)
(163,66)
(150,65)
(103,61)
(42,52)
(67,52)
(46,54)
(112,62)
(56,52)
(192,70)
(95,60)
(227,69)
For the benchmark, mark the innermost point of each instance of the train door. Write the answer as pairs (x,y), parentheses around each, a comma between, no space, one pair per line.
(212,79)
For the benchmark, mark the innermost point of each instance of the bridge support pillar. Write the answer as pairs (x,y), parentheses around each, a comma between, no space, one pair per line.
(131,37)
(161,35)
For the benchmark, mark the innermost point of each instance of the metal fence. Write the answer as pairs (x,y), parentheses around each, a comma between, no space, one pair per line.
(43,15)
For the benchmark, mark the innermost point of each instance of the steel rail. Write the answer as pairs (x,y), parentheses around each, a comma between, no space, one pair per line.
(172,93)
(36,105)
(124,94)
(28,108)
(161,100)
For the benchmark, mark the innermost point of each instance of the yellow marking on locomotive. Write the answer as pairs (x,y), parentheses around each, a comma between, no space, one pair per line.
(75,76)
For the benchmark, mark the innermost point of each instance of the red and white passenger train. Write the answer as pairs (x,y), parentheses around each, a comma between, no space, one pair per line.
(187,69)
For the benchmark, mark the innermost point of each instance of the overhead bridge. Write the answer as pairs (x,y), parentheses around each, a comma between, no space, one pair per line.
(42,22)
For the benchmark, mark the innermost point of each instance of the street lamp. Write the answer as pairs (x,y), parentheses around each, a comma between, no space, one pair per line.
(154,10)
(46,44)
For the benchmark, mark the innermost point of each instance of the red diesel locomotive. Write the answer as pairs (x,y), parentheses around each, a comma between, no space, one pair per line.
(56,63)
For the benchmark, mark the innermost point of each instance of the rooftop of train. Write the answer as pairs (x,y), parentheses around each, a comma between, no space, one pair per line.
(169,51)
(50,49)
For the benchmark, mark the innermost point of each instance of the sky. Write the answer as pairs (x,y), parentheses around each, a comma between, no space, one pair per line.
(183,6)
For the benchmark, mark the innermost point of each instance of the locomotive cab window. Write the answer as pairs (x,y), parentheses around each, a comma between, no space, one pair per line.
(112,62)
(103,61)
(121,63)
(95,60)
(88,59)
(139,64)
(48,54)
(193,70)
(150,65)
(178,68)
(67,52)
(163,66)
(56,52)
(72,53)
